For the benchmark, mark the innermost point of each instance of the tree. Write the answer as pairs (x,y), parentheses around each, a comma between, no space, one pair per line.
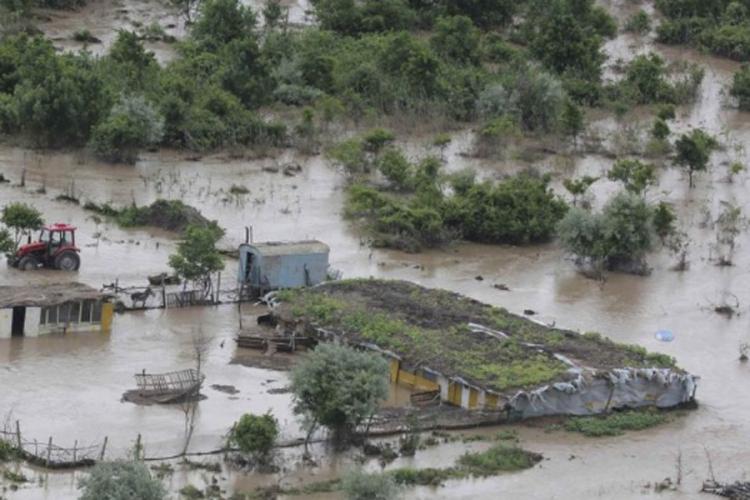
(693,152)
(59,98)
(456,38)
(187,8)
(272,13)
(396,169)
(339,387)
(571,120)
(132,124)
(484,13)
(221,22)
(359,485)
(578,187)
(134,68)
(729,225)
(660,130)
(197,257)
(121,481)
(617,238)
(6,242)
(741,87)
(255,434)
(21,218)
(636,176)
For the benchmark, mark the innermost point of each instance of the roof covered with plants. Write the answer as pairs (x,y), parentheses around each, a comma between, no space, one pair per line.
(454,335)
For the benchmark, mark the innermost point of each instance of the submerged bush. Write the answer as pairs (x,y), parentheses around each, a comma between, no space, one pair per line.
(255,434)
(121,481)
(615,424)
(741,87)
(132,124)
(360,485)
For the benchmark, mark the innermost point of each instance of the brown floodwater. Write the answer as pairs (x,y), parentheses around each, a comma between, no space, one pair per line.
(70,387)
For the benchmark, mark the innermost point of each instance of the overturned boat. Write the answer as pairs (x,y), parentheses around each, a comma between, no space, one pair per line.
(171,387)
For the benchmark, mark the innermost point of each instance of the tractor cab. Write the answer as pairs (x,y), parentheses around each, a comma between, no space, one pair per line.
(55,248)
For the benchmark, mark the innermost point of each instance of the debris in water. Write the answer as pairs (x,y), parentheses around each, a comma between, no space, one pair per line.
(228,389)
(501,286)
(664,336)
(738,491)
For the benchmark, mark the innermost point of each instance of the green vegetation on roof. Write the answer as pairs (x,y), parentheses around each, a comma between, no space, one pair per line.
(430,328)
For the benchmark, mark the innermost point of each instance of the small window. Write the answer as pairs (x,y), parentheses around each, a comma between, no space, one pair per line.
(43,316)
(86,311)
(52,318)
(97,312)
(75,311)
(63,314)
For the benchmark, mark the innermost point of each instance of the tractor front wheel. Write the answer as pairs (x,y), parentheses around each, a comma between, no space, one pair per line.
(28,263)
(67,261)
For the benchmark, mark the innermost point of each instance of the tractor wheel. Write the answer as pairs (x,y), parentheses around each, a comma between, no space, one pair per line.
(67,261)
(28,263)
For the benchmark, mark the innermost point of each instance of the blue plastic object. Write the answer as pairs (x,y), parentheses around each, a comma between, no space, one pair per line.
(665,336)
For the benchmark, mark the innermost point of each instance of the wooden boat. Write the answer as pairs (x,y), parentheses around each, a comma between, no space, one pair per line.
(169,387)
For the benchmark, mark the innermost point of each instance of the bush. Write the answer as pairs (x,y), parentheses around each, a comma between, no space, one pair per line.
(121,481)
(497,459)
(456,38)
(21,218)
(132,124)
(359,485)
(615,424)
(638,23)
(693,151)
(321,398)
(741,87)
(255,434)
(519,210)
(635,176)
(617,238)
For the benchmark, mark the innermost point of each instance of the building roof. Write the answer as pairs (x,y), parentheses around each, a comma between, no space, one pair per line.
(290,247)
(46,295)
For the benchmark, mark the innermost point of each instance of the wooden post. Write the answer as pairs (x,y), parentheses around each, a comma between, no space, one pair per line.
(75,445)
(104,448)
(138,448)
(163,297)
(49,451)
(18,435)
(218,288)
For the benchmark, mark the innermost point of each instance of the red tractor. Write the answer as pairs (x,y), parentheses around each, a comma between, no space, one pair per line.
(56,249)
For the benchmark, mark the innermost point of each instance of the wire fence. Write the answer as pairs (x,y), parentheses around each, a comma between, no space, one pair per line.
(50,455)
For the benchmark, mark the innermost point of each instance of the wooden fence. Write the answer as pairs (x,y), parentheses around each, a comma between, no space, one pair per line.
(49,455)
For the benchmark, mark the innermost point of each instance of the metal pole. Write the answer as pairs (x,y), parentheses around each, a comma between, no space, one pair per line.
(49,451)
(18,435)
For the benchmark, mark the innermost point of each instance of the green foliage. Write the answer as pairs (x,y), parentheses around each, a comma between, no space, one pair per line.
(741,87)
(21,218)
(499,458)
(615,424)
(352,17)
(664,220)
(376,139)
(456,38)
(255,434)
(396,168)
(519,210)
(132,124)
(197,257)
(693,150)
(660,131)
(635,175)
(339,387)
(222,22)
(6,247)
(58,98)
(359,485)
(533,97)
(616,238)
(722,27)
(571,119)
(639,23)
(578,187)
(131,67)
(121,481)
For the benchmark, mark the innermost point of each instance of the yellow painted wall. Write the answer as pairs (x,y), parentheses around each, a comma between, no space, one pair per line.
(394,364)
(473,398)
(107,310)
(454,393)
(490,400)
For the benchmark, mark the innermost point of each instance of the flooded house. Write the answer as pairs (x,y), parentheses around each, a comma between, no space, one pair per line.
(33,310)
(277,265)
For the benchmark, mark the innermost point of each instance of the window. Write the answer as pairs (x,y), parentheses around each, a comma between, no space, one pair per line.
(63,313)
(43,316)
(97,312)
(52,318)
(75,311)
(86,311)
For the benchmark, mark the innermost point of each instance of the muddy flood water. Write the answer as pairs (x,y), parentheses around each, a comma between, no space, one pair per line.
(69,387)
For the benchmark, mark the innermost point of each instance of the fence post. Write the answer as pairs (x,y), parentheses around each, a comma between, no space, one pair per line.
(104,448)
(49,451)
(163,296)
(218,288)
(75,445)
(138,447)
(18,435)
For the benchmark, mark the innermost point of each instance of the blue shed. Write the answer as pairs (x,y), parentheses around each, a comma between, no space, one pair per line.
(274,265)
